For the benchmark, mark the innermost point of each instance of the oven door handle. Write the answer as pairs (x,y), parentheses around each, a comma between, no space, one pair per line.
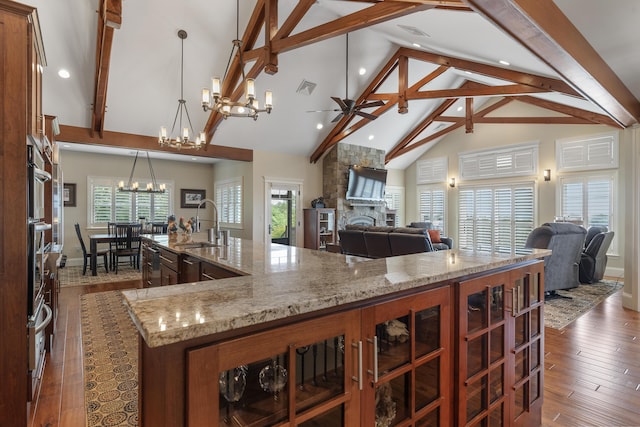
(40,175)
(39,327)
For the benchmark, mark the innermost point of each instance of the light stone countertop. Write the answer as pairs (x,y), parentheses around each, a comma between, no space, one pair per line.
(281,281)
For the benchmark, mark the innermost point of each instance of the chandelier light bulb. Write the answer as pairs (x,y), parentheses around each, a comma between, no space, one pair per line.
(250,89)
(206,96)
(268,100)
(215,87)
(185,134)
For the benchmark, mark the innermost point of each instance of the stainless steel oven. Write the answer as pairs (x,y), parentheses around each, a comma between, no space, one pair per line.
(37,177)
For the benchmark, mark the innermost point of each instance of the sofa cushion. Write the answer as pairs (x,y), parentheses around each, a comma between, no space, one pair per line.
(435,236)
(377,244)
(352,242)
(380,229)
(406,243)
(410,230)
(355,227)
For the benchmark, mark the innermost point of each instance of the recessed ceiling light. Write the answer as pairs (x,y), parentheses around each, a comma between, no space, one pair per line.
(195,159)
(64,73)
(362,71)
(66,146)
(503,62)
(319,126)
(469,72)
(416,44)
(459,108)
(370,137)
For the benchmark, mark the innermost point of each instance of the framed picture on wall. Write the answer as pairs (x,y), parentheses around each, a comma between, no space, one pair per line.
(192,198)
(69,195)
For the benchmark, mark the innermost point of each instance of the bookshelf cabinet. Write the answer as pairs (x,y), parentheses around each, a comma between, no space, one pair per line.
(319,228)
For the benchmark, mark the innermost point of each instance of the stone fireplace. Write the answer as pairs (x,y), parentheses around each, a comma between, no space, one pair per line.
(335,167)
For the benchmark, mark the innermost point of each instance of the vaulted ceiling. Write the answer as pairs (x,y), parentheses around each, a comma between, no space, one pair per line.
(434,65)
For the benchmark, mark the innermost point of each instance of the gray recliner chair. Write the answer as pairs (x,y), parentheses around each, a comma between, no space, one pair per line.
(566,240)
(593,261)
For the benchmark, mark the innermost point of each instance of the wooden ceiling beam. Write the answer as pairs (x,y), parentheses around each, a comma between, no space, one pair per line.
(481,90)
(541,27)
(469,115)
(408,146)
(372,15)
(570,111)
(109,19)
(80,135)
(540,82)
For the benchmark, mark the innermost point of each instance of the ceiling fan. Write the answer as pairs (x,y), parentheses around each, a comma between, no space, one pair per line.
(348,106)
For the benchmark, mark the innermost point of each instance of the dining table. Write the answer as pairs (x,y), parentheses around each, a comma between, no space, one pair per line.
(94,239)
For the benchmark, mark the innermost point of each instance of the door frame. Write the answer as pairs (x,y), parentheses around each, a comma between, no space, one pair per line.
(269,183)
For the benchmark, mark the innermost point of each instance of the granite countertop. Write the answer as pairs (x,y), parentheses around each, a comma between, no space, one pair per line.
(281,281)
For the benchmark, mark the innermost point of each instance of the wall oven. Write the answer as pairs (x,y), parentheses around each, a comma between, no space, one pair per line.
(38,312)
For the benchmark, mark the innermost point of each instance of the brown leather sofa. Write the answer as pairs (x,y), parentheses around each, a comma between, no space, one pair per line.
(382,242)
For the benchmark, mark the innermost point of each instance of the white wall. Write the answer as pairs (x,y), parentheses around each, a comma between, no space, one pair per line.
(496,135)
(77,166)
(286,167)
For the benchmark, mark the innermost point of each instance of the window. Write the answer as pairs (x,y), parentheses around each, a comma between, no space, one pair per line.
(107,204)
(514,160)
(431,206)
(496,219)
(394,198)
(229,202)
(590,197)
(431,170)
(599,151)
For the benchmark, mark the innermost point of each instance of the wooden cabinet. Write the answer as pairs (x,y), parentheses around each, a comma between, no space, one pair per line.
(319,228)
(501,358)
(209,271)
(19,36)
(389,364)
(303,374)
(150,264)
(168,268)
(189,269)
(407,362)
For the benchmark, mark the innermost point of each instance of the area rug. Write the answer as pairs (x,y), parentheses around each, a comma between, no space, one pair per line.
(110,360)
(72,275)
(559,312)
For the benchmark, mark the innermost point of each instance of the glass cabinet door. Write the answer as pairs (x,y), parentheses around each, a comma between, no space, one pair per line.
(407,361)
(526,345)
(295,375)
(500,344)
(483,357)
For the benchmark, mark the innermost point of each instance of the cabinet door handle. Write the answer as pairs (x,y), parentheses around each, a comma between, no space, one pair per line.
(515,301)
(358,378)
(187,262)
(374,341)
(166,259)
(208,277)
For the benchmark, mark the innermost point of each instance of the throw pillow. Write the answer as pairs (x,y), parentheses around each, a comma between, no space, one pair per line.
(435,236)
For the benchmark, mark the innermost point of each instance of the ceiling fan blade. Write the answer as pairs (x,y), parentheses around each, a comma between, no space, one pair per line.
(339,101)
(321,111)
(338,117)
(365,115)
(371,104)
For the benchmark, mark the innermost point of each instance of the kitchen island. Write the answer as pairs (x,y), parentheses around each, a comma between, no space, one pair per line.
(303,336)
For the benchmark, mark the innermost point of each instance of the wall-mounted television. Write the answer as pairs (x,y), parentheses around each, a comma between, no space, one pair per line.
(366,183)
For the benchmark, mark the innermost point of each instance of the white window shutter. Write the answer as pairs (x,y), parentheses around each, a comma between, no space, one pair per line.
(511,161)
(431,170)
(592,152)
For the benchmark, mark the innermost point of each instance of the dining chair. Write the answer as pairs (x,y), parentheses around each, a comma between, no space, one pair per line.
(158,228)
(128,244)
(87,255)
(111,229)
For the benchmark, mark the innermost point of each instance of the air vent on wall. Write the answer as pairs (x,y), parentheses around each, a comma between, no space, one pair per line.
(306,87)
(414,31)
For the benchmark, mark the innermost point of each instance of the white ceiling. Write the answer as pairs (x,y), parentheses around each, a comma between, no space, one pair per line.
(144,78)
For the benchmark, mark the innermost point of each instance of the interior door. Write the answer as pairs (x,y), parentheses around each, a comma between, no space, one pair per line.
(283,212)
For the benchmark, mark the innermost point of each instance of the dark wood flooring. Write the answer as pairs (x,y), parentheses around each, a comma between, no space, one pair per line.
(592,368)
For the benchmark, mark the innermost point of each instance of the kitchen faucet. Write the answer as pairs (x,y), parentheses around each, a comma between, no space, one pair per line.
(216,221)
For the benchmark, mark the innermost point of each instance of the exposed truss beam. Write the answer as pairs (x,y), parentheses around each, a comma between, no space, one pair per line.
(109,19)
(541,27)
(147,143)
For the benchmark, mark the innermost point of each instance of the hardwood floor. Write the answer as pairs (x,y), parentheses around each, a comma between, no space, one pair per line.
(592,372)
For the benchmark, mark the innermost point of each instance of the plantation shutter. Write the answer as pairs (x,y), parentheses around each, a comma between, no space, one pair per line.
(496,219)
(229,201)
(431,207)
(102,201)
(589,198)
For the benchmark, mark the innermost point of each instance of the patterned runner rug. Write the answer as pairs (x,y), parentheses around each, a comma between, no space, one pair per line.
(110,360)
(559,312)
(72,275)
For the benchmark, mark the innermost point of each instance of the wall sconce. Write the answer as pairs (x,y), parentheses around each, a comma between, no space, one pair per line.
(452,182)
(547,174)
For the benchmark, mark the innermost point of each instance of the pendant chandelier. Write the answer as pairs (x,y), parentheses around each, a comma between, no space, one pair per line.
(133,186)
(181,140)
(214,101)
